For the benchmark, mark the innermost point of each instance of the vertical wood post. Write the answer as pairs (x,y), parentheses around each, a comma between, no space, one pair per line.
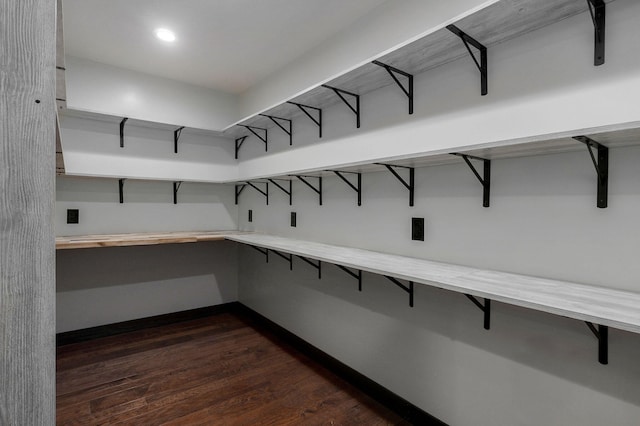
(27,188)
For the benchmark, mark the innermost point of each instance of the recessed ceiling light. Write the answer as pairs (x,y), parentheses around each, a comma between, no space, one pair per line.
(165,35)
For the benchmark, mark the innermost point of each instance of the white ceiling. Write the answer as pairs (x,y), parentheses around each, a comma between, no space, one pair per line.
(228,45)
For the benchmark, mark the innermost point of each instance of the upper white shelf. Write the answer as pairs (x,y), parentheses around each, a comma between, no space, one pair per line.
(598,305)
(496,23)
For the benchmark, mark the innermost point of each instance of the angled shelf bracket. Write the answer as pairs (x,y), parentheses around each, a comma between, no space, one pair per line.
(408,289)
(176,187)
(341,93)
(317,190)
(288,258)
(482,65)
(602,167)
(485,179)
(242,186)
(318,265)
(121,189)
(602,334)
(357,187)
(357,276)
(486,308)
(122,123)
(409,185)
(239,142)
(305,109)
(408,90)
(255,130)
(176,138)
(239,189)
(265,252)
(289,191)
(597,9)
(277,122)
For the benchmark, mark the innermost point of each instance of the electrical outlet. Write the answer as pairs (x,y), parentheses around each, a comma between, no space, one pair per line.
(250,215)
(293,219)
(417,228)
(73,216)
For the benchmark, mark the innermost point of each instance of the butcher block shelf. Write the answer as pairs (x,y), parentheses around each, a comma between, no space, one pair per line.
(140,239)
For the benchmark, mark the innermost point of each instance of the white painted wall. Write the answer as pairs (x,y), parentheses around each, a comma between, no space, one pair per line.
(541,85)
(92,148)
(389,25)
(531,368)
(105,89)
(108,285)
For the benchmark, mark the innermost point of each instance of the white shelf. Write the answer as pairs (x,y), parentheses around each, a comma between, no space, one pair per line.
(598,305)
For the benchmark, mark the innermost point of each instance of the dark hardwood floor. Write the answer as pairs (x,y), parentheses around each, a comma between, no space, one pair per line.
(218,370)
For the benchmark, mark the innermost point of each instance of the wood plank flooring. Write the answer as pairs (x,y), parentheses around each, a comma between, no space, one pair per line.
(218,370)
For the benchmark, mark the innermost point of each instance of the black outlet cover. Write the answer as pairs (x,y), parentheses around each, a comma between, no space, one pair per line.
(293,219)
(250,215)
(73,216)
(417,228)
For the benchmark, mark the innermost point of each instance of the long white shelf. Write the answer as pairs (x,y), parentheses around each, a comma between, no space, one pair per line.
(598,305)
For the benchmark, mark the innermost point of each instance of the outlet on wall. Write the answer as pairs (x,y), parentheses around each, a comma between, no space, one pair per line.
(293,219)
(73,216)
(250,218)
(417,228)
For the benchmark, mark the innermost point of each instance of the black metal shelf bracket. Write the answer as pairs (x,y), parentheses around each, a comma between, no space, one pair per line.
(357,276)
(122,123)
(407,91)
(602,334)
(601,165)
(318,265)
(486,308)
(239,189)
(318,190)
(485,179)
(409,185)
(176,138)
(482,65)
(305,109)
(598,9)
(239,142)
(265,192)
(277,121)
(408,289)
(265,252)
(288,258)
(121,189)
(357,187)
(255,130)
(289,191)
(176,187)
(341,93)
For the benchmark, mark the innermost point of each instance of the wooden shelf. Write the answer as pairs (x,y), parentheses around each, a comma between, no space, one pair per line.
(140,239)
(598,305)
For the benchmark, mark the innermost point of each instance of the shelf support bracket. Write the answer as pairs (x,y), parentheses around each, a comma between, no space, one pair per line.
(410,185)
(305,109)
(357,276)
(277,120)
(602,334)
(288,258)
(176,187)
(176,138)
(318,266)
(482,65)
(318,190)
(486,308)
(357,187)
(254,130)
(597,9)
(121,190)
(265,192)
(341,93)
(265,252)
(122,123)
(239,142)
(601,165)
(485,179)
(239,189)
(289,191)
(408,289)
(407,91)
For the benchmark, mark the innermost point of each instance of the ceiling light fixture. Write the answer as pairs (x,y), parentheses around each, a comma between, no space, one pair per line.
(165,35)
